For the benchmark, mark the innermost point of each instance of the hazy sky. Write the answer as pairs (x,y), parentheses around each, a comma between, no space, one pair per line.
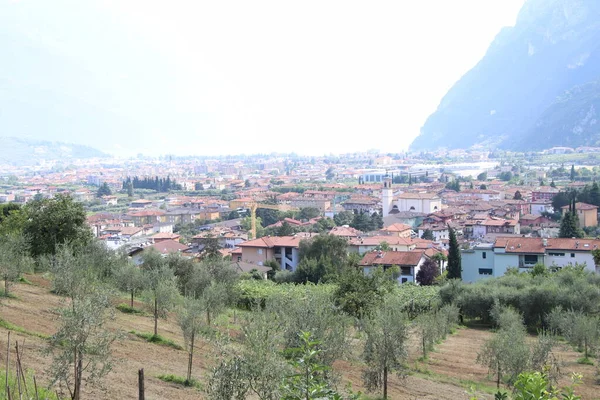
(249,76)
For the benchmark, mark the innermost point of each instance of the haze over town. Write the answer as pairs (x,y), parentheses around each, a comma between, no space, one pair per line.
(238,77)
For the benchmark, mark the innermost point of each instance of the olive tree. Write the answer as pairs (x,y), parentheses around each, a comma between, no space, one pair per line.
(577,328)
(160,286)
(130,279)
(190,317)
(385,347)
(81,346)
(14,260)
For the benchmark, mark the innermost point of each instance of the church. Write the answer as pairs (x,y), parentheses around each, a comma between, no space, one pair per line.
(425,203)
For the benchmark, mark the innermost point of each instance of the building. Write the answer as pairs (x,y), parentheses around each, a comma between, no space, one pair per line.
(282,249)
(587,214)
(414,202)
(409,263)
(491,260)
(146,217)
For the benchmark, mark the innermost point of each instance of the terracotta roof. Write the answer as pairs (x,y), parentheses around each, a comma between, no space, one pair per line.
(417,196)
(397,227)
(165,235)
(345,231)
(130,230)
(377,240)
(399,258)
(145,213)
(273,241)
(168,246)
(536,245)
(582,206)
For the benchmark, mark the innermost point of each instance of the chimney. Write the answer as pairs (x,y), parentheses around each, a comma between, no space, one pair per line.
(545,242)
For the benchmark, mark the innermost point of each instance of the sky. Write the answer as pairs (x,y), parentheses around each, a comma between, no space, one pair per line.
(231,77)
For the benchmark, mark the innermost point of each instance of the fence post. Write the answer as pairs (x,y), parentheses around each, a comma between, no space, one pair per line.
(141,384)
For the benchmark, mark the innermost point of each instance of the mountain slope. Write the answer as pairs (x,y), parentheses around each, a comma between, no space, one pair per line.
(16,151)
(505,99)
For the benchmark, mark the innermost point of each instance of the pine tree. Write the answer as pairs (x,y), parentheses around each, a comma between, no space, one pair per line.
(572,172)
(595,194)
(454,263)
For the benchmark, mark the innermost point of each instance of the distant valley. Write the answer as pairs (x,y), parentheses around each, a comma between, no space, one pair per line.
(17,151)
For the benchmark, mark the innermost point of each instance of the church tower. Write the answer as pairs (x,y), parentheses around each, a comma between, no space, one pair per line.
(387,195)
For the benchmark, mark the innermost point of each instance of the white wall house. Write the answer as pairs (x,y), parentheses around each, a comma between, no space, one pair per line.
(391,203)
(491,260)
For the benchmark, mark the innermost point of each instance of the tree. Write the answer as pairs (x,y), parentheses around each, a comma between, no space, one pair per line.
(330,173)
(81,346)
(307,213)
(14,260)
(52,222)
(483,187)
(129,189)
(103,190)
(376,221)
(454,262)
(454,185)
(573,173)
(343,218)
(552,184)
(577,328)
(385,346)
(285,229)
(330,247)
(595,194)
(427,234)
(482,176)
(130,279)
(362,222)
(358,294)
(569,224)
(190,317)
(428,272)
(518,196)
(505,176)
(160,285)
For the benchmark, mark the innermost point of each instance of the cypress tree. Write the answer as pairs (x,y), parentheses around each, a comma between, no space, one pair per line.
(454,263)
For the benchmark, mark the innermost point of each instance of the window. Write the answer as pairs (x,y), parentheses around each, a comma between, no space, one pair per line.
(483,255)
(259,251)
(404,280)
(530,259)
(572,255)
(485,271)
(556,254)
(239,258)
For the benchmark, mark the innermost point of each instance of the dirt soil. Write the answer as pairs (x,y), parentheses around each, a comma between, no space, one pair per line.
(34,305)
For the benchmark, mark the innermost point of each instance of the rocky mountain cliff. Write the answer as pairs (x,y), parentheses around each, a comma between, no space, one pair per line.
(536,87)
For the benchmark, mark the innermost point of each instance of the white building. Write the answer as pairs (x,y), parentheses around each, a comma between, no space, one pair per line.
(485,260)
(391,203)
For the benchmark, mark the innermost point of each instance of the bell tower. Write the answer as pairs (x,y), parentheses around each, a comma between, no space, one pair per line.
(387,195)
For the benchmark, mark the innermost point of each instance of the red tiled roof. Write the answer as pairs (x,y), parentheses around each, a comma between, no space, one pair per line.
(168,246)
(399,258)
(582,206)
(273,241)
(397,227)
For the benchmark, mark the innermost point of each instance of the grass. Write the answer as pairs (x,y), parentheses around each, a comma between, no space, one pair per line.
(7,325)
(585,361)
(157,339)
(127,309)
(25,281)
(180,380)
(42,392)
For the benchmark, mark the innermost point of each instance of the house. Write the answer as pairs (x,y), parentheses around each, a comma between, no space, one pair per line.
(485,260)
(168,246)
(492,227)
(587,213)
(531,220)
(440,231)
(160,236)
(141,203)
(409,262)
(245,267)
(362,245)
(345,231)
(145,217)
(109,200)
(282,249)
(398,229)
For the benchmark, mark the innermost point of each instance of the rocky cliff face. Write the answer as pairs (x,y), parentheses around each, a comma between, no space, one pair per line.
(535,87)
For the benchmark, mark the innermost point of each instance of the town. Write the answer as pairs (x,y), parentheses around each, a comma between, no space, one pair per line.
(505,209)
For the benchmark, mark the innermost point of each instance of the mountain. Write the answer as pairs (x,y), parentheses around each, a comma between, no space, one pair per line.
(17,151)
(536,87)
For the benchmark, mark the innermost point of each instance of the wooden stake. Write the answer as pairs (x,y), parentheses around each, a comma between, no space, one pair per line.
(141,395)
(36,390)
(6,388)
